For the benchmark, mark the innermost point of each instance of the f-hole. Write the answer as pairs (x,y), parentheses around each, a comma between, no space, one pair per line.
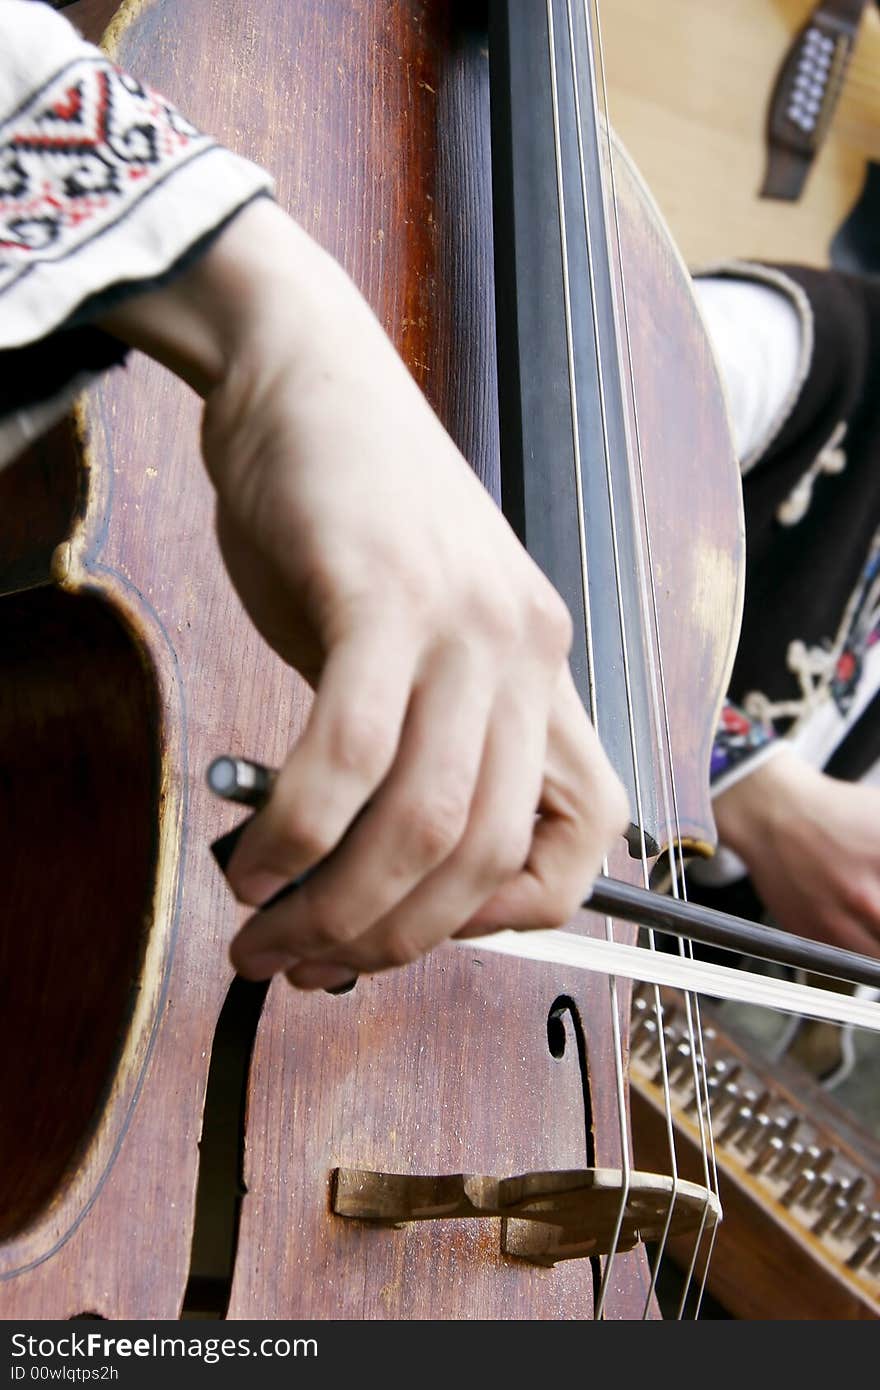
(557,1040)
(221,1187)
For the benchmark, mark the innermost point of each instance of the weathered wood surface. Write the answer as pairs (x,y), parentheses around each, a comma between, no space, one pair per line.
(374,121)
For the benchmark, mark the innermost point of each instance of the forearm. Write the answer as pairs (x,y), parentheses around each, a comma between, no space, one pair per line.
(749,811)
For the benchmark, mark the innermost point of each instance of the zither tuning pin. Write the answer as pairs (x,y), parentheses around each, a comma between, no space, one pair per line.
(790,1160)
(674,1032)
(820,1159)
(639,1011)
(736,1123)
(756,1126)
(785,1127)
(850,1223)
(715,1075)
(786,1122)
(797,1189)
(644,1038)
(865,1251)
(696,1101)
(816,1161)
(669,1063)
(835,1203)
(710,1087)
(643,996)
(869,1223)
(852,1190)
(755,1135)
(683,1064)
(670,1013)
(769,1151)
(819,1192)
(728,1094)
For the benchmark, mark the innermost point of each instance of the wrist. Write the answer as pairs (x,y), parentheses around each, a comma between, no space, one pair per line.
(749,812)
(260,282)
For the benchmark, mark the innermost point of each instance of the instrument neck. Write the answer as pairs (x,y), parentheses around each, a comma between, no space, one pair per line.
(567,483)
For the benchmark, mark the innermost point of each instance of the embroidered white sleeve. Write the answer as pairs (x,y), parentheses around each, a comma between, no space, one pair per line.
(757,338)
(102,180)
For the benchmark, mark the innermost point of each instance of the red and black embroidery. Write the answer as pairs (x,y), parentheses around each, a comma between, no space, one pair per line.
(77,156)
(863,633)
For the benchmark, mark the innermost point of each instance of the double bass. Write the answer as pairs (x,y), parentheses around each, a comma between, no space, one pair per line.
(179,1145)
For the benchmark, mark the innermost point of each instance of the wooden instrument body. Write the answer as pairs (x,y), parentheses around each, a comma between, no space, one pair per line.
(374,120)
(689,86)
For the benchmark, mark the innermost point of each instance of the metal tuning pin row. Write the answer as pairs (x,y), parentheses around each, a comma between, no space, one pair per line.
(810,82)
(759,1132)
(676,1063)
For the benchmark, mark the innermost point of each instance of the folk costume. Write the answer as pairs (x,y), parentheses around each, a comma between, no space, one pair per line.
(807,671)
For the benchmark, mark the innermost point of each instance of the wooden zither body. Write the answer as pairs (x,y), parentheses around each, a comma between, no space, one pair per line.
(799,1177)
(128,665)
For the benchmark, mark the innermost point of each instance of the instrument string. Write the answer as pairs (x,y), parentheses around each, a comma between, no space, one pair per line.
(633,741)
(637,773)
(696,1048)
(701,1091)
(598,1309)
(613,989)
(628,377)
(660,706)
